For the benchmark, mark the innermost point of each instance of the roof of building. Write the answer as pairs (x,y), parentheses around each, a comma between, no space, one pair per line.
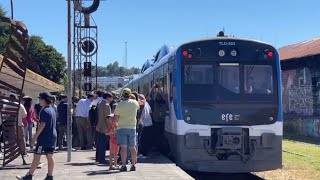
(34,83)
(302,49)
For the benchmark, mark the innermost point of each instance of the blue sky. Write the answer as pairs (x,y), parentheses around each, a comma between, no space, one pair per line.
(148,24)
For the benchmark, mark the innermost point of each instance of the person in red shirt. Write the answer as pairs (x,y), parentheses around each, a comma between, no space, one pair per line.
(29,120)
(113,144)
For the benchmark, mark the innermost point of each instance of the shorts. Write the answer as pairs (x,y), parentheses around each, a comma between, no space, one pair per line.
(125,135)
(114,147)
(43,150)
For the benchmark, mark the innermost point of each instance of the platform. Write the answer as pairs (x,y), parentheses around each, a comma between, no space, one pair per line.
(82,166)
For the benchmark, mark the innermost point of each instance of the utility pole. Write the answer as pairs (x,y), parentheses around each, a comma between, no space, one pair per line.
(11,9)
(69,123)
(126,55)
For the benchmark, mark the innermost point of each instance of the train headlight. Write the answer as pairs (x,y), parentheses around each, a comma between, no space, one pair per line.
(188,118)
(222,53)
(233,53)
(271,118)
(186,111)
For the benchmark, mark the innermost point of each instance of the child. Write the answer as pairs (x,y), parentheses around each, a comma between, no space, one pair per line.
(114,148)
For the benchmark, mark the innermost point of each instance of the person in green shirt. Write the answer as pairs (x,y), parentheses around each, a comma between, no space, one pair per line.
(125,114)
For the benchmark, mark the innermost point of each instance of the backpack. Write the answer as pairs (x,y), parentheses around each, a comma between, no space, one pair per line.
(93,116)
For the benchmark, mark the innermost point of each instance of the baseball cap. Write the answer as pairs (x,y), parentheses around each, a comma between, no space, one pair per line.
(45,96)
(126,92)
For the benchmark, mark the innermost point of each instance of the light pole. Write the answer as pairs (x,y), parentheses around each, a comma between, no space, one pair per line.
(69,122)
(12,9)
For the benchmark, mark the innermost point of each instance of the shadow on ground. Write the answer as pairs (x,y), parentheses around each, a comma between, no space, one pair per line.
(100,172)
(223,176)
(81,164)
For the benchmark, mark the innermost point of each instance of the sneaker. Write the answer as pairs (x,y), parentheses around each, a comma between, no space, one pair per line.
(133,168)
(49,177)
(113,168)
(26,177)
(123,169)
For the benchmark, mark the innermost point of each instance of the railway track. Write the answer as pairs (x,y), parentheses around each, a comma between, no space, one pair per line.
(223,176)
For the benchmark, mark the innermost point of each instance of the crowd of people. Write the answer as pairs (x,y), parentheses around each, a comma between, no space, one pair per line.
(127,125)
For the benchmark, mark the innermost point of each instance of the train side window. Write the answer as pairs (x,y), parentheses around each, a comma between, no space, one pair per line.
(156,56)
(170,87)
(166,68)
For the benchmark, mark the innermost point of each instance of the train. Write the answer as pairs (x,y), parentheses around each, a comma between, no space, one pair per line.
(224,103)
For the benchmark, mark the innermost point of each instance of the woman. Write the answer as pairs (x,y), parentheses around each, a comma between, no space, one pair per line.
(28,121)
(147,130)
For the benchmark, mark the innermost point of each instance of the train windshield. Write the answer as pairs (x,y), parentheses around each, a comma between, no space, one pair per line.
(225,82)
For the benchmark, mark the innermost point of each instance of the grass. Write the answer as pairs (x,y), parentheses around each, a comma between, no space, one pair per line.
(300,161)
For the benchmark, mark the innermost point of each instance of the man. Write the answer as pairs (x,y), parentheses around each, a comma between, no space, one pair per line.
(62,119)
(97,98)
(2,107)
(252,87)
(46,137)
(125,113)
(21,114)
(75,134)
(104,111)
(93,114)
(83,122)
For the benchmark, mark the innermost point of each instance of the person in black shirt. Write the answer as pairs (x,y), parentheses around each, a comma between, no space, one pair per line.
(46,137)
(62,119)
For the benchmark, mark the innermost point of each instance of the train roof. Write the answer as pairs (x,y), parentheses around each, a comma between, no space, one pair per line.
(172,50)
(225,38)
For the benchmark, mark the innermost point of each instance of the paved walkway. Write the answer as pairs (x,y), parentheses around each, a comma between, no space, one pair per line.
(82,166)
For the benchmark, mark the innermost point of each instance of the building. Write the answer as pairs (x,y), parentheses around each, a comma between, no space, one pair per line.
(106,81)
(300,64)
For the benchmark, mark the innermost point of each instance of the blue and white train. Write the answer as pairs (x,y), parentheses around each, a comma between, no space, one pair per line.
(224,98)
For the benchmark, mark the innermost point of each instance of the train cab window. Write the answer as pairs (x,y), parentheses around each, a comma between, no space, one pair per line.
(198,74)
(258,79)
(229,77)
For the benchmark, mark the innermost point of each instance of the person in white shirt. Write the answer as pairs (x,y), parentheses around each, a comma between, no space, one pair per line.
(98,98)
(2,106)
(83,122)
(21,114)
(147,132)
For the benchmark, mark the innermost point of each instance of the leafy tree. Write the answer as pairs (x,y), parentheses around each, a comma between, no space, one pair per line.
(4,32)
(113,69)
(52,64)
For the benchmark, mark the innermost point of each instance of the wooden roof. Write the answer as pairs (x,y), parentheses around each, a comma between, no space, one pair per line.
(34,83)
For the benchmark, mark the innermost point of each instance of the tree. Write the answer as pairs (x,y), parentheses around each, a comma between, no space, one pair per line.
(52,64)
(4,32)
(113,69)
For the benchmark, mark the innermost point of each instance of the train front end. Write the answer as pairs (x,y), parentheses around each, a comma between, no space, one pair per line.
(228,112)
